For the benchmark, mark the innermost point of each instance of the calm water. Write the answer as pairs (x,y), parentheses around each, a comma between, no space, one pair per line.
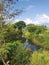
(32,47)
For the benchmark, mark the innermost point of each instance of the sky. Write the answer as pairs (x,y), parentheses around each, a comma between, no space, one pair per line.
(35,11)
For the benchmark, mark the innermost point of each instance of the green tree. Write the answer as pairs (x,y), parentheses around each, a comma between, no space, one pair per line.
(6,10)
(20,25)
(14,54)
(36,29)
(8,34)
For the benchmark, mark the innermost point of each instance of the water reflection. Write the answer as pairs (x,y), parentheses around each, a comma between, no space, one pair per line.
(32,47)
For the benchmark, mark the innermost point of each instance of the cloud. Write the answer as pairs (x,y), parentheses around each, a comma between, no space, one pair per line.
(28,21)
(41,20)
(38,20)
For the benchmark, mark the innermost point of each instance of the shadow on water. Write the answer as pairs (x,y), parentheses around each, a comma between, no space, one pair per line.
(32,47)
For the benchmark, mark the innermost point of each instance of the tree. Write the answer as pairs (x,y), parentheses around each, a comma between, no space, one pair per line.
(20,25)
(14,54)
(7,12)
(8,34)
(36,29)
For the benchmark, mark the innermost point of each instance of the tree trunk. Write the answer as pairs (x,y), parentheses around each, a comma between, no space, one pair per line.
(5,63)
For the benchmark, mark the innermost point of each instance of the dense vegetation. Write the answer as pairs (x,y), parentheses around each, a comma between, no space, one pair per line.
(37,35)
(12,49)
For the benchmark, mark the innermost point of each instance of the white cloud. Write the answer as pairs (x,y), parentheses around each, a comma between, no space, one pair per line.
(28,21)
(41,20)
(38,20)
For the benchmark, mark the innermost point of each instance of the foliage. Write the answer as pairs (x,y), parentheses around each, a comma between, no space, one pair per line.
(14,53)
(20,25)
(36,29)
(10,34)
(37,35)
(40,58)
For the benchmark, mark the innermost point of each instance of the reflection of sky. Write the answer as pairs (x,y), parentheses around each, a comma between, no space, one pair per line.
(32,47)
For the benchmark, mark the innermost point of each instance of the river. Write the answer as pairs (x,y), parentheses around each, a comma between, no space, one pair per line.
(32,47)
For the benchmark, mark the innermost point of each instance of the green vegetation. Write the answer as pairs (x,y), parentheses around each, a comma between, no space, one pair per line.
(37,35)
(13,37)
(14,54)
(12,49)
(40,58)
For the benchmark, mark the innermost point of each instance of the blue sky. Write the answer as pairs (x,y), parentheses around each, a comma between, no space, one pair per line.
(35,11)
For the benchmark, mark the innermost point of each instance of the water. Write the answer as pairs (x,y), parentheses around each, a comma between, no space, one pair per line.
(32,47)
